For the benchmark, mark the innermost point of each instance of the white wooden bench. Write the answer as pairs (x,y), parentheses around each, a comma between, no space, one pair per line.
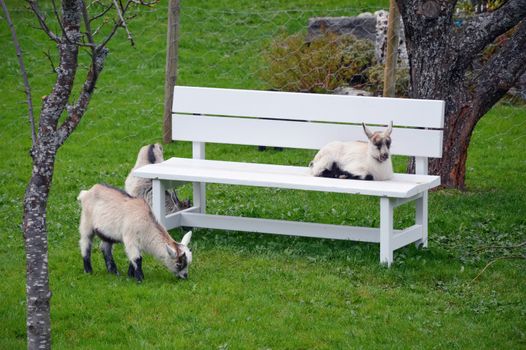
(298,120)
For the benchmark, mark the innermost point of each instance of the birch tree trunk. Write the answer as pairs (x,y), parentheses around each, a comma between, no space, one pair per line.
(442,58)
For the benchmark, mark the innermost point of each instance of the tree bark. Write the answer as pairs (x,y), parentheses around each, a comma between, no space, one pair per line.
(43,154)
(35,235)
(442,57)
(50,137)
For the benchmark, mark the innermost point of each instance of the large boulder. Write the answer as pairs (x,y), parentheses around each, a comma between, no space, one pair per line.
(366,26)
(362,26)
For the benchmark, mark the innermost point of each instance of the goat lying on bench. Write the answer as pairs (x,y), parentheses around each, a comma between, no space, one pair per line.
(278,119)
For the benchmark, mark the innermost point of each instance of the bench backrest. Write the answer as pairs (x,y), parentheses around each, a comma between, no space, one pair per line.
(302,120)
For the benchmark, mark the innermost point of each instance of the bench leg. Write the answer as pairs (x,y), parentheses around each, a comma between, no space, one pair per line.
(200,196)
(386,231)
(158,207)
(421,218)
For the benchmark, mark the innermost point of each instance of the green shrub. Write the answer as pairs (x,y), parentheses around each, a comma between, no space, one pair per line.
(320,65)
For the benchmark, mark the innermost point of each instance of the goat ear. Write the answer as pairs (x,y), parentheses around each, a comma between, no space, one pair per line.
(186,238)
(389,129)
(171,252)
(367,131)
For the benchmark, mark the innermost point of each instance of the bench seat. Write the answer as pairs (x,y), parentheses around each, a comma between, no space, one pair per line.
(282,176)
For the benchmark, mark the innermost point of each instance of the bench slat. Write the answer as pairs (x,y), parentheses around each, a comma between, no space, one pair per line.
(312,107)
(295,134)
(281,176)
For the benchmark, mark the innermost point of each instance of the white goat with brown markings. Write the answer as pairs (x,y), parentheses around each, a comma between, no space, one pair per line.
(357,160)
(115,216)
(142,187)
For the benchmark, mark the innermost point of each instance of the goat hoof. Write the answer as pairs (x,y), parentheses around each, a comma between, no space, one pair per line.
(131,271)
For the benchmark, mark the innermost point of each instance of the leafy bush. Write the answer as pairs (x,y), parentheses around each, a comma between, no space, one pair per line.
(319,65)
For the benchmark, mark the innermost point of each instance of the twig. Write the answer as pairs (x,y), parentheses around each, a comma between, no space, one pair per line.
(89,34)
(48,55)
(501,246)
(108,38)
(123,22)
(23,72)
(145,3)
(115,27)
(101,14)
(96,31)
(60,22)
(495,260)
(42,21)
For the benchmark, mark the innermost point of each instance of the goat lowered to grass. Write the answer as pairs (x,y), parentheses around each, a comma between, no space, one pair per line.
(357,160)
(115,217)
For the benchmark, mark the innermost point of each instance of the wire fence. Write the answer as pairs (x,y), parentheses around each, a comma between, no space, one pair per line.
(326,47)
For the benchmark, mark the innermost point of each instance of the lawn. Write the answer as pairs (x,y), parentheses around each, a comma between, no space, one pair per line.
(252,291)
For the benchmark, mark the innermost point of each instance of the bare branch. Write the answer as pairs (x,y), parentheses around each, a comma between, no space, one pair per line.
(482,30)
(96,31)
(145,3)
(115,27)
(76,112)
(85,17)
(55,11)
(122,20)
(108,38)
(48,55)
(511,257)
(23,72)
(102,13)
(501,72)
(34,7)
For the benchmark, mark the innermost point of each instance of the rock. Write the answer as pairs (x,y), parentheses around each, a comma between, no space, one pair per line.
(366,26)
(348,90)
(380,44)
(362,26)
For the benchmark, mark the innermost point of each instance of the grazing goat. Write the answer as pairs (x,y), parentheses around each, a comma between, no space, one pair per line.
(356,160)
(115,217)
(142,188)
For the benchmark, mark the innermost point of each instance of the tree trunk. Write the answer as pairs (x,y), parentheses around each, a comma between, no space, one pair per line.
(36,245)
(50,137)
(442,56)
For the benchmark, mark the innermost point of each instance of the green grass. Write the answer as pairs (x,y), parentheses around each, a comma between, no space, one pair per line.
(251,291)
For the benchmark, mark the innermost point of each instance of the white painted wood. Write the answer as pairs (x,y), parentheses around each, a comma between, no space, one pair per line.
(281,176)
(298,121)
(421,167)
(297,134)
(280,227)
(303,106)
(407,236)
(401,201)
(422,163)
(174,220)
(422,217)
(386,231)
(199,188)
(158,194)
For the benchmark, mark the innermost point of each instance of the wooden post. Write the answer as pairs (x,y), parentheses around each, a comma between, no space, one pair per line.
(391,56)
(172,50)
